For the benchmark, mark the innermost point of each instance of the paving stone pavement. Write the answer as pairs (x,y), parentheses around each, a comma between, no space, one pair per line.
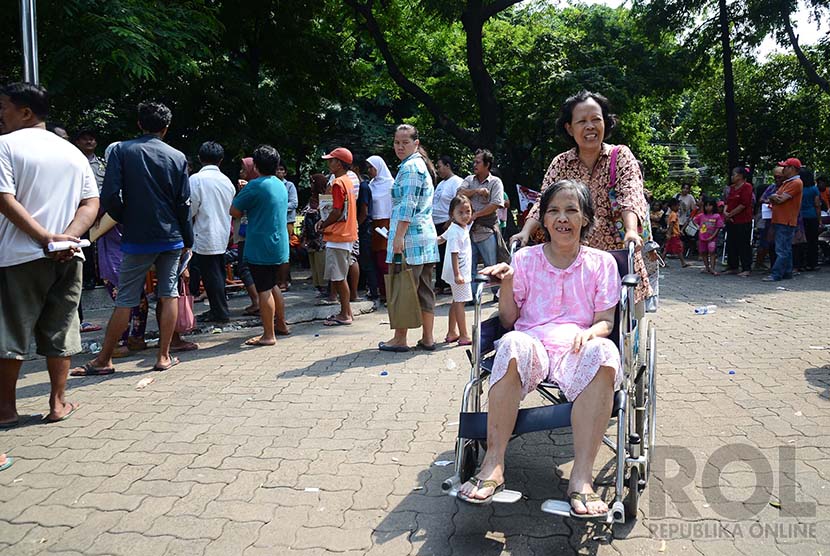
(306,448)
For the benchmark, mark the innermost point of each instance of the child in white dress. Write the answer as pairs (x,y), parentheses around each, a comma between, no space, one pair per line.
(457,271)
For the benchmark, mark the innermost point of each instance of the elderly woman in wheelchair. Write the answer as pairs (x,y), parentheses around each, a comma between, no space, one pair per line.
(559,299)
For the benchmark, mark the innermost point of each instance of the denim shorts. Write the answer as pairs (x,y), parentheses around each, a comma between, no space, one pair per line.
(134,268)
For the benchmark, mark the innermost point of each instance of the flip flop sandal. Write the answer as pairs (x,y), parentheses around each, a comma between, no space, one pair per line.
(8,463)
(89,327)
(425,347)
(479,484)
(383,346)
(173,362)
(74,407)
(585,499)
(89,370)
(448,340)
(187,346)
(335,322)
(251,342)
(9,425)
(465,342)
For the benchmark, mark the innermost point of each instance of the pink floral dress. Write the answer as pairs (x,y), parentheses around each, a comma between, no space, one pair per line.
(554,306)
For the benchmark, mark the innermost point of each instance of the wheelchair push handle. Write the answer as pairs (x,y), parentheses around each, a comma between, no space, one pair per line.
(515,245)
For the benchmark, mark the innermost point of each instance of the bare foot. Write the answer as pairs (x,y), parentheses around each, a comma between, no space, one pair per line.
(260,341)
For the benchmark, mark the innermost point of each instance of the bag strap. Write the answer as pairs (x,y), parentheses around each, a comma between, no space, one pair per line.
(612,182)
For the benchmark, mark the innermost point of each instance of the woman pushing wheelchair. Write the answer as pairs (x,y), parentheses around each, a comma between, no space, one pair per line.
(559,298)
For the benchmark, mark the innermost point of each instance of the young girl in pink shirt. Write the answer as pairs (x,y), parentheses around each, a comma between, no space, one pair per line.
(709,223)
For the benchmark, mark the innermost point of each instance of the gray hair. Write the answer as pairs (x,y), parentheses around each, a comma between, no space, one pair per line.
(583,195)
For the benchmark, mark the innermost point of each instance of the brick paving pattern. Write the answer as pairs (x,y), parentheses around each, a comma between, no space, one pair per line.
(305,448)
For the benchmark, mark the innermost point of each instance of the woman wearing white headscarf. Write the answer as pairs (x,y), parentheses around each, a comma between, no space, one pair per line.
(381,186)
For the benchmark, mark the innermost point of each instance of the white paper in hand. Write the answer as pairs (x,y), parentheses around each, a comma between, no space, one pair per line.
(64,245)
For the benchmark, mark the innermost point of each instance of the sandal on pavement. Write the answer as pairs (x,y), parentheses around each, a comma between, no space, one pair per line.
(73,407)
(586,498)
(426,347)
(184,346)
(90,370)
(89,327)
(331,321)
(449,340)
(256,342)
(173,362)
(480,484)
(7,462)
(383,346)
(465,342)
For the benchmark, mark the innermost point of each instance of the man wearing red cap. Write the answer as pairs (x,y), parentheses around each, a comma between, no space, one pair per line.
(340,232)
(786,204)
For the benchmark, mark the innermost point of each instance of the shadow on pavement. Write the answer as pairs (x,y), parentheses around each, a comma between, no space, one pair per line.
(819,378)
(435,523)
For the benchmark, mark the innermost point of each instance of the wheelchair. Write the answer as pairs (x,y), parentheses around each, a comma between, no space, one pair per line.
(634,403)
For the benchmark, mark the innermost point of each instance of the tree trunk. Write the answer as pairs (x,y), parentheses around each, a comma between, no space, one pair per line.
(805,62)
(732,150)
(488,106)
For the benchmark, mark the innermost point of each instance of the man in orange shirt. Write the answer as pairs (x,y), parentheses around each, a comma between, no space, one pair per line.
(340,232)
(786,204)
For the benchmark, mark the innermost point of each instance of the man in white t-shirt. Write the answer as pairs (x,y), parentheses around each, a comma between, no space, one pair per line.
(446,189)
(211,195)
(47,194)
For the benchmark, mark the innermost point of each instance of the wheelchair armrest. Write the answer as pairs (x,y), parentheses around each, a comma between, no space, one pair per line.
(631,280)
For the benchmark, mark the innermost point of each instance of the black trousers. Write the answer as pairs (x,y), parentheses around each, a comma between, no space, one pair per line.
(212,270)
(805,255)
(442,253)
(738,246)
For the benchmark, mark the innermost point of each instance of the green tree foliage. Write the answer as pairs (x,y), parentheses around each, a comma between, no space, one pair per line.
(536,56)
(308,75)
(780,114)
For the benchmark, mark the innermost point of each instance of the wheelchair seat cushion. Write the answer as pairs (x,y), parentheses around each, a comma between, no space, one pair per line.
(571,371)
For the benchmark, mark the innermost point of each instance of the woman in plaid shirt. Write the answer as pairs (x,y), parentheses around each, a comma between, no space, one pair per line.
(412,232)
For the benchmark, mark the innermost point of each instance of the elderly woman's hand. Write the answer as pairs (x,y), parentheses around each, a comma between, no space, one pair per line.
(633,236)
(502,272)
(522,238)
(583,338)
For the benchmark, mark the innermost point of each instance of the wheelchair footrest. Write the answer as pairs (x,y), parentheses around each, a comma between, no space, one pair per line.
(562,508)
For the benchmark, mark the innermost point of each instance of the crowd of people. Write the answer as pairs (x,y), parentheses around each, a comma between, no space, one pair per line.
(147,210)
(780,222)
(178,224)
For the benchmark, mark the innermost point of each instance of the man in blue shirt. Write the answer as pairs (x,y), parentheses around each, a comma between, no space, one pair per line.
(265,201)
(146,189)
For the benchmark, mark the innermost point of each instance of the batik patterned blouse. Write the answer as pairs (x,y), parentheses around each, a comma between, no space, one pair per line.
(629,196)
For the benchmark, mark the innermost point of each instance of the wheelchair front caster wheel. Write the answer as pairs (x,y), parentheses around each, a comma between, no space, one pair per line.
(632,499)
